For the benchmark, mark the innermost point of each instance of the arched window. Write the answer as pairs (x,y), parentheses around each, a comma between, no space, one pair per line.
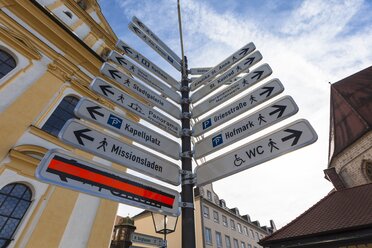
(63,112)
(15,198)
(7,63)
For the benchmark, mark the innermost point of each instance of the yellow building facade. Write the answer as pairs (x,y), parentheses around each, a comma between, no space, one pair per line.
(50,50)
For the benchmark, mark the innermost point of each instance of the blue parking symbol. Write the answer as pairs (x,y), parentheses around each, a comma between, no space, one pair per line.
(207,123)
(114,121)
(217,140)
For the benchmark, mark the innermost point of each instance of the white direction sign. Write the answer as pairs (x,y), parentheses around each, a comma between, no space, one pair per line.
(147,239)
(243,104)
(236,88)
(155,38)
(263,118)
(223,66)
(199,71)
(146,63)
(242,66)
(157,48)
(143,75)
(59,168)
(103,145)
(98,114)
(127,102)
(286,139)
(140,89)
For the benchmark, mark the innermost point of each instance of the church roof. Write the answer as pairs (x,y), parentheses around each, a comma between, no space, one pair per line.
(351,105)
(344,210)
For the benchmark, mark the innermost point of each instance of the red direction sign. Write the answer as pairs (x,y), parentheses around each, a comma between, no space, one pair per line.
(64,170)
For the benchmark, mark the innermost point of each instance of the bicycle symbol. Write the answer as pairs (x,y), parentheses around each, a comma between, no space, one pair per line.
(238,161)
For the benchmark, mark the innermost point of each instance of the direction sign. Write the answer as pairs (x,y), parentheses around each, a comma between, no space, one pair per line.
(236,88)
(146,63)
(242,66)
(154,46)
(98,114)
(248,101)
(86,138)
(263,118)
(199,71)
(223,66)
(124,100)
(155,38)
(147,239)
(286,139)
(142,75)
(141,90)
(75,173)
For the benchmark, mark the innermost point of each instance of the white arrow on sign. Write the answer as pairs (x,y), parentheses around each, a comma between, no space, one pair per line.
(146,63)
(286,139)
(223,66)
(86,138)
(59,168)
(143,75)
(263,118)
(236,88)
(154,46)
(140,89)
(147,239)
(248,101)
(199,71)
(98,114)
(242,66)
(155,38)
(127,102)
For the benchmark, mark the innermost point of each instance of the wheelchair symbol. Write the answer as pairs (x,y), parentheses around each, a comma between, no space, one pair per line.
(238,161)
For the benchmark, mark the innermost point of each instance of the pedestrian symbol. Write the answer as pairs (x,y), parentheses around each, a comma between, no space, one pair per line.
(103,144)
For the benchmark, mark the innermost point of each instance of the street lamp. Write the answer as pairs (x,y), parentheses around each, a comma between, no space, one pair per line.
(164,224)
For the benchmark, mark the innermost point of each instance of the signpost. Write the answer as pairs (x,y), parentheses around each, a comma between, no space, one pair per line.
(263,118)
(147,64)
(98,114)
(286,139)
(248,101)
(139,73)
(147,239)
(236,88)
(155,38)
(75,173)
(140,90)
(129,103)
(224,65)
(154,46)
(199,71)
(242,66)
(105,146)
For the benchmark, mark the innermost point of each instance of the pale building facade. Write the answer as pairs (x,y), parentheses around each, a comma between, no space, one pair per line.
(49,52)
(216,225)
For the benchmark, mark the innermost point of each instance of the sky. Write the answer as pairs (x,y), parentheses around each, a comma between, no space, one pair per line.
(307,43)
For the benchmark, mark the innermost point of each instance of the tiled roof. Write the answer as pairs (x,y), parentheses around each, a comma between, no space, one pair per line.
(348,209)
(351,104)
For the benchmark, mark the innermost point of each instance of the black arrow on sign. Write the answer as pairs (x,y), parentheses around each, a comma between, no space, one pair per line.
(126,49)
(258,74)
(244,51)
(93,110)
(294,134)
(268,90)
(114,73)
(249,60)
(121,60)
(79,134)
(105,89)
(280,109)
(137,30)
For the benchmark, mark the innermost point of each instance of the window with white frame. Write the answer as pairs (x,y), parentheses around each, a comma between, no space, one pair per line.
(245,230)
(7,63)
(208,236)
(206,211)
(243,244)
(224,221)
(209,195)
(232,224)
(227,241)
(218,240)
(236,243)
(216,216)
(239,228)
